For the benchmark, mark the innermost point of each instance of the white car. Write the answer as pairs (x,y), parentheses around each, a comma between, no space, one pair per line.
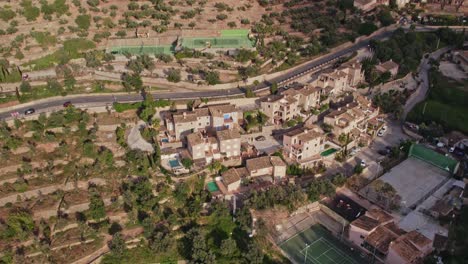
(384,128)
(363,163)
(452,149)
(381,133)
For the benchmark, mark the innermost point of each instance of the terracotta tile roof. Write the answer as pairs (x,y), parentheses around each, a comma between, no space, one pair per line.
(381,238)
(227,134)
(405,249)
(264,162)
(379,215)
(184,118)
(418,239)
(366,223)
(231,176)
(272,98)
(195,139)
(219,110)
(387,66)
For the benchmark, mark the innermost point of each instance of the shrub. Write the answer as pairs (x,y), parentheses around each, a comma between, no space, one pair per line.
(173,75)
(30,12)
(221,16)
(83,21)
(6,14)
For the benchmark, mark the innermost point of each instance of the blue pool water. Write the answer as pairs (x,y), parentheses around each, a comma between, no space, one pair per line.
(174,163)
(165,140)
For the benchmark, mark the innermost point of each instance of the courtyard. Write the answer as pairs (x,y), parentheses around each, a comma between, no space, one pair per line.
(413,180)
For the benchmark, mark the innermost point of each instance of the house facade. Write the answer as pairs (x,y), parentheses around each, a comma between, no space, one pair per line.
(289,104)
(207,147)
(214,117)
(303,144)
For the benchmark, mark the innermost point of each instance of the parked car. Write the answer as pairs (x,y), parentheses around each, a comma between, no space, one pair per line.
(29,111)
(260,138)
(383,152)
(380,133)
(363,163)
(384,128)
(67,104)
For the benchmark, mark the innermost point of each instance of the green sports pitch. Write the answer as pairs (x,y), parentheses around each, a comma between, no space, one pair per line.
(317,246)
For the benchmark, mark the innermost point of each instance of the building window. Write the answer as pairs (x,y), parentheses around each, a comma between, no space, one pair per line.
(361,236)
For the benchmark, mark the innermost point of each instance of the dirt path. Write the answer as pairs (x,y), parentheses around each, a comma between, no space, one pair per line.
(49,189)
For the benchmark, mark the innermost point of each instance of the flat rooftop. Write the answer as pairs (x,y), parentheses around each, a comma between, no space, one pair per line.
(412,179)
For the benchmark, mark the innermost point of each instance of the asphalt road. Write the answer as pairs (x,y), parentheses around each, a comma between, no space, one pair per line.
(109,99)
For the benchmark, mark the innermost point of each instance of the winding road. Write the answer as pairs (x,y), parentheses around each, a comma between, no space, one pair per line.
(103,100)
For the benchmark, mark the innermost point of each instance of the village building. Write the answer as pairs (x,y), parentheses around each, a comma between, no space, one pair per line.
(303,145)
(354,117)
(206,147)
(376,233)
(209,118)
(388,66)
(271,166)
(289,104)
(337,81)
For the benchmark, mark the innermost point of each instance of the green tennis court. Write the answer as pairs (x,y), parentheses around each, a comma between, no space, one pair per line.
(317,246)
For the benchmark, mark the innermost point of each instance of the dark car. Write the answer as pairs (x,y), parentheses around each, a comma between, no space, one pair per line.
(67,104)
(260,138)
(29,111)
(384,152)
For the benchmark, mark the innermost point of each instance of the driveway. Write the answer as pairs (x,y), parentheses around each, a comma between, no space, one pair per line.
(420,94)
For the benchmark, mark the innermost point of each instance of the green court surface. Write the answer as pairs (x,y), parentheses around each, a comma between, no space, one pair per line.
(317,246)
(434,158)
(234,32)
(143,49)
(218,42)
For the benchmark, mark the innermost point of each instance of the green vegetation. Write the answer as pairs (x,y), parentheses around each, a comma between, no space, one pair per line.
(6,14)
(72,49)
(83,21)
(29,11)
(407,49)
(8,74)
(45,39)
(121,107)
(446,104)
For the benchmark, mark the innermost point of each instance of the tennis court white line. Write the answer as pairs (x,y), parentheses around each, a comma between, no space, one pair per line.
(315,241)
(346,257)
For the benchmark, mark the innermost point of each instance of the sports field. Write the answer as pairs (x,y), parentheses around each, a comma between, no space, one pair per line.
(317,246)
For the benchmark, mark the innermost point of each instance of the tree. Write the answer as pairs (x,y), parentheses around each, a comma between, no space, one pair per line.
(160,242)
(274,88)
(228,247)
(249,93)
(187,162)
(173,75)
(200,252)
(254,254)
(97,209)
(358,169)
(212,77)
(117,245)
(147,111)
(132,81)
(83,21)
(385,18)
(25,87)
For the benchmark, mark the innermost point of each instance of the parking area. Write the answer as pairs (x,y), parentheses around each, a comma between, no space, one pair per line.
(412,179)
(266,143)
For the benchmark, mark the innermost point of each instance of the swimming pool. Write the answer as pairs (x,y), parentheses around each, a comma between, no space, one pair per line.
(174,163)
(328,152)
(212,187)
(165,140)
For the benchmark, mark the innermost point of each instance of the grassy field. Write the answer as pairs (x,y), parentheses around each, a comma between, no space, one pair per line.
(446,104)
